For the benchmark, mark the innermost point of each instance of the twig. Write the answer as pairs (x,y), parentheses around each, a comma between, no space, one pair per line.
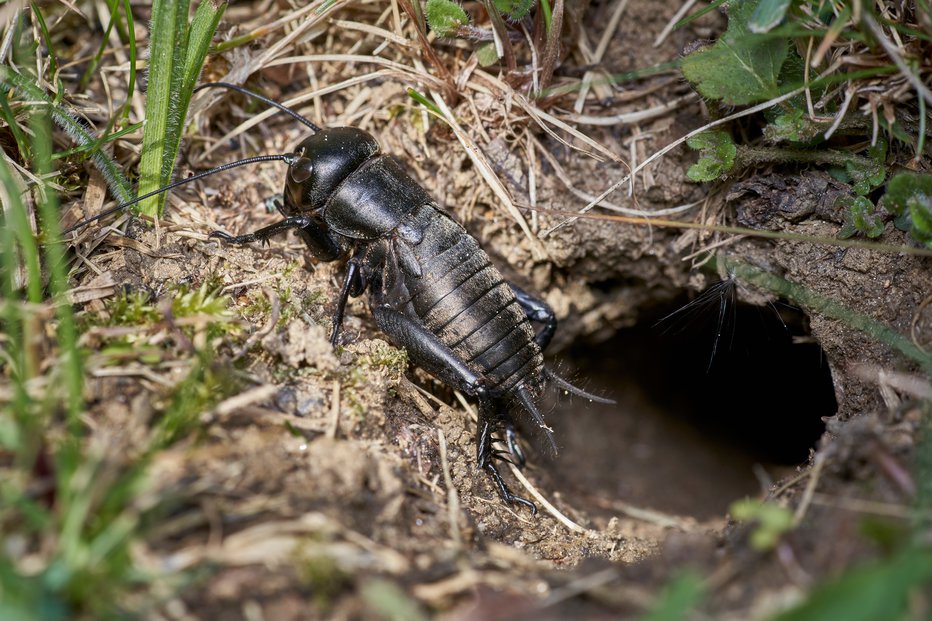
(453,499)
(868,506)
(239,401)
(447,79)
(255,337)
(895,56)
(683,10)
(743,113)
(839,117)
(810,489)
(481,163)
(566,181)
(500,33)
(560,517)
(552,46)
(630,118)
(334,411)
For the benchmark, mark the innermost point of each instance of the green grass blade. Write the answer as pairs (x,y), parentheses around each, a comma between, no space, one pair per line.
(95,61)
(615,78)
(117,183)
(18,236)
(547,12)
(131,43)
(46,38)
(7,114)
(176,57)
(174,124)
(55,265)
(14,226)
(691,18)
(9,262)
(168,39)
(424,101)
(97,143)
(203,27)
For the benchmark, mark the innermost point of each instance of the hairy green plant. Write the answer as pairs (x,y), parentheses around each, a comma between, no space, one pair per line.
(26,87)
(741,67)
(494,42)
(771,521)
(862,217)
(761,56)
(880,590)
(717,153)
(678,598)
(909,197)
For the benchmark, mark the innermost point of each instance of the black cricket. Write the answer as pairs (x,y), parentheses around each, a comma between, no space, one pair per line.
(431,287)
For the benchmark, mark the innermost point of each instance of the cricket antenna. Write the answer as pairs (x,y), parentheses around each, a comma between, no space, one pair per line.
(289,159)
(240,89)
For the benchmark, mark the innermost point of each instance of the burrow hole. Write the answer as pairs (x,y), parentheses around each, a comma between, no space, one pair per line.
(709,406)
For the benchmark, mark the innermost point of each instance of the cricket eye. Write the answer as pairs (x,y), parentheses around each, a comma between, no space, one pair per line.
(301,170)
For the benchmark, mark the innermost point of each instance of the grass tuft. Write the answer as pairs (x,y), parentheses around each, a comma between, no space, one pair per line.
(176,55)
(27,88)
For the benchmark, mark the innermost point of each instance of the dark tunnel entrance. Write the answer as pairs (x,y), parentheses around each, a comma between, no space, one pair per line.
(705,400)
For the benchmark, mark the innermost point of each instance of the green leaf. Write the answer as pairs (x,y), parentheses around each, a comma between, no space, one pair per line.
(741,67)
(514,9)
(920,210)
(445,17)
(772,521)
(424,101)
(487,54)
(768,15)
(878,591)
(792,126)
(131,40)
(678,598)
(547,12)
(72,377)
(863,217)
(390,602)
(203,27)
(866,174)
(905,188)
(909,196)
(847,231)
(897,131)
(717,153)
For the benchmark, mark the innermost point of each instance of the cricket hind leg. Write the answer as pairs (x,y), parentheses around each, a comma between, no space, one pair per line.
(428,352)
(490,419)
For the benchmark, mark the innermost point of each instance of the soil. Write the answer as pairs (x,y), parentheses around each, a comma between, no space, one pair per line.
(341,484)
